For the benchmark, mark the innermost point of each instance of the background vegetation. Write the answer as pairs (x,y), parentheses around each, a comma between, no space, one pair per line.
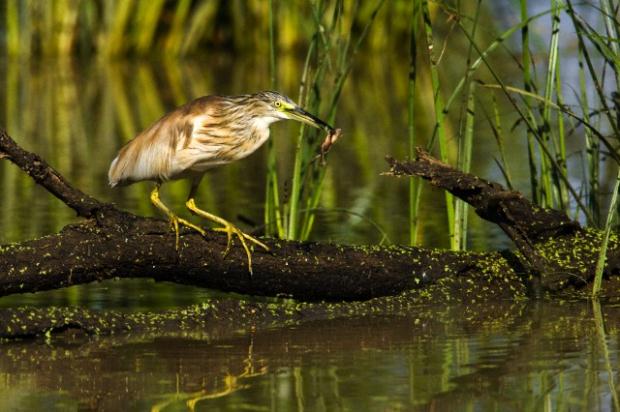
(180,28)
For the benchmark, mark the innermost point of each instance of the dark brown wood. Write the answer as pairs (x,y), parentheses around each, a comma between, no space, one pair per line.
(304,270)
(525,223)
(46,176)
(491,200)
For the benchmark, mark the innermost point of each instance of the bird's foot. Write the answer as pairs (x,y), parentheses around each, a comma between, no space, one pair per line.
(175,221)
(231,230)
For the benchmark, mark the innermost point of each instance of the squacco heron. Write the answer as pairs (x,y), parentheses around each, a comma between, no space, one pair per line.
(203,134)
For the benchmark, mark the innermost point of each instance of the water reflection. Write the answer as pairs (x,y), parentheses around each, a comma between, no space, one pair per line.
(128,295)
(540,356)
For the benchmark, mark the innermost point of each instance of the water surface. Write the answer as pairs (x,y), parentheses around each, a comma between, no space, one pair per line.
(520,357)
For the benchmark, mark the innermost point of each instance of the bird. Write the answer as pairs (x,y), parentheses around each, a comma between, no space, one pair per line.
(203,134)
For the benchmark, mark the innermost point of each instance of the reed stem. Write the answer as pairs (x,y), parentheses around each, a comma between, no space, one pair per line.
(272,196)
(526,61)
(415,187)
(439,131)
(602,256)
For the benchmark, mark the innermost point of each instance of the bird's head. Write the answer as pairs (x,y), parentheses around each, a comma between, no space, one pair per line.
(281,107)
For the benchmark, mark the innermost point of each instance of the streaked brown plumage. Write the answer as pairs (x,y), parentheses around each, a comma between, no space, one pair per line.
(205,133)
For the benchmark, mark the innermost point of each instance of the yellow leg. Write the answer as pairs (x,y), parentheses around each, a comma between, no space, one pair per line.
(174,219)
(229,228)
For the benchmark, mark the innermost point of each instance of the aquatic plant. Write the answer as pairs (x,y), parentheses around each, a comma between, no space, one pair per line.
(328,62)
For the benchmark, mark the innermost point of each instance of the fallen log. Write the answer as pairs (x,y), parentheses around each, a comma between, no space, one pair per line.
(111,243)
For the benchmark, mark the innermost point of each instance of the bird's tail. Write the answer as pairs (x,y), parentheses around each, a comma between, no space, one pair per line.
(113,174)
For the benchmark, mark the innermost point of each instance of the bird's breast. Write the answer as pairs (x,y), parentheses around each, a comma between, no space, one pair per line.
(210,147)
(251,143)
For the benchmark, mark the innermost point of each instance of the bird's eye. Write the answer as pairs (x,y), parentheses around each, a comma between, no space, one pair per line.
(278,104)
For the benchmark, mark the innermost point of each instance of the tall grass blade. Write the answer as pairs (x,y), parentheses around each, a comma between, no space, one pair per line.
(202,20)
(497,129)
(612,27)
(439,131)
(464,164)
(483,54)
(67,14)
(546,170)
(330,46)
(174,40)
(415,186)
(592,154)
(583,34)
(114,43)
(466,142)
(561,141)
(526,61)
(602,256)
(272,197)
(291,232)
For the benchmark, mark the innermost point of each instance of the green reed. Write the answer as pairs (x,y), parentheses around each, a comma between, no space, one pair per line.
(415,188)
(497,129)
(110,28)
(591,156)
(327,65)
(556,195)
(602,257)
(464,164)
(604,48)
(549,127)
(526,62)
(543,145)
(547,172)
(456,211)
(545,133)
(272,196)
(441,111)
(548,120)
(346,55)
(465,142)
(148,13)
(439,132)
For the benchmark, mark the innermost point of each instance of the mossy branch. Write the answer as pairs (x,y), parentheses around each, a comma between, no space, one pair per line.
(112,243)
(525,223)
(46,176)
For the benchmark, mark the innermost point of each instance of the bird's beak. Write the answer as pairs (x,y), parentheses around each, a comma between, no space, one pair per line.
(300,114)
